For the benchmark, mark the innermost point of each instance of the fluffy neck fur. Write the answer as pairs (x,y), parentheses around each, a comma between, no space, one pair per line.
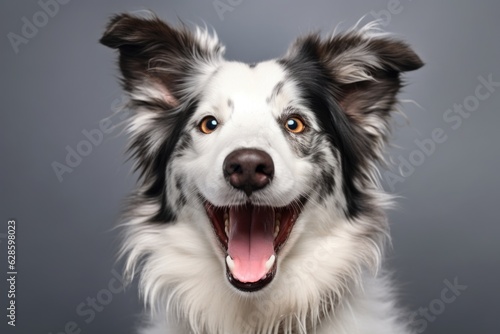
(318,277)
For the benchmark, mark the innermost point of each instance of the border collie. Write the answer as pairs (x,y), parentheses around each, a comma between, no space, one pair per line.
(259,208)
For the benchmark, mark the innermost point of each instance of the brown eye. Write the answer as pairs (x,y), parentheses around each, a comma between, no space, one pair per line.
(208,124)
(295,125)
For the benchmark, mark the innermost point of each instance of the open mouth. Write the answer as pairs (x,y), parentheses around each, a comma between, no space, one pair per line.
(252,237)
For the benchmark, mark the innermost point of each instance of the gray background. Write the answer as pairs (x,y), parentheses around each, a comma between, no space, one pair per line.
(63,82)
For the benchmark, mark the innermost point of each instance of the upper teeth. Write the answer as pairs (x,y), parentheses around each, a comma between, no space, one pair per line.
(277,224)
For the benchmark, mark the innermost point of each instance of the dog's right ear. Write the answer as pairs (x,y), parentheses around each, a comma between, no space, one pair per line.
(164,69)
(159,63)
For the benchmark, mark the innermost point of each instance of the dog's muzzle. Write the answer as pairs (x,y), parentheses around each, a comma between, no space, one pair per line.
(250,235)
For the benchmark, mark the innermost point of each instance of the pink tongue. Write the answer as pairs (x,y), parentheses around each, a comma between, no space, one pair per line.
(251,241)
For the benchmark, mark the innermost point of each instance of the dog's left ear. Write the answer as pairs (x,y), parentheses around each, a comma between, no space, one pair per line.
(362,72)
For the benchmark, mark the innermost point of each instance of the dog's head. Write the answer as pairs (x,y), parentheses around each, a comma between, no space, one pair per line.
(257,157)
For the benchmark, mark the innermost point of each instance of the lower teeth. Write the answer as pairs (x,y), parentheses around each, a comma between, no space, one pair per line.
(270,262)
(229,262)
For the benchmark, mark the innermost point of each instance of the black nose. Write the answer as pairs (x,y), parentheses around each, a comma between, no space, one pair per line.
(248,169)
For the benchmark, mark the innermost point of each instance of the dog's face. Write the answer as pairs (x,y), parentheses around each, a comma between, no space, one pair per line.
(258,157)
(249,156)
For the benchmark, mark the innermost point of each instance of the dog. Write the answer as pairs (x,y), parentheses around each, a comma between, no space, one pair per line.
(259,208)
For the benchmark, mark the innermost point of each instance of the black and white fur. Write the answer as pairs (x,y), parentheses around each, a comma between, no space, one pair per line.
(329,277)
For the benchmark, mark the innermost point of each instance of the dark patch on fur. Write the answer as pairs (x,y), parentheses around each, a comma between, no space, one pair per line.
(304,143)
(301,143)
(326,183)
(341,108)
(152,104)
(275,92)
(181,200)
(252,65)
(178,183)
(184,144)
(277,89)
(314,82)
(153,167)
(154,53)
(309,144)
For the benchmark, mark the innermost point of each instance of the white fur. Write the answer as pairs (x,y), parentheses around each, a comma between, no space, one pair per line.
(249,123)
(325,264)
(329,277)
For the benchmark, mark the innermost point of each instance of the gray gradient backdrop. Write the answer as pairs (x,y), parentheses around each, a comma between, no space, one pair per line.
(62,82)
